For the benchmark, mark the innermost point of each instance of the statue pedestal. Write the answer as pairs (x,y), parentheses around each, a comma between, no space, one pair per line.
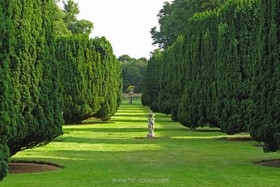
(150,135)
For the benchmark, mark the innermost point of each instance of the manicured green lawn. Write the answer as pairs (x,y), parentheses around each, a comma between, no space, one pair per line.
(115,154)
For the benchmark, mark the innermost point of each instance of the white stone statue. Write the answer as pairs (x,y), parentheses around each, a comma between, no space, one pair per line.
(151,125)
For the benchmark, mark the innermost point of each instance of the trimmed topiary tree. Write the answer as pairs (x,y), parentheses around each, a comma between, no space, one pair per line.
(90,76)
(151,82)
(111,82)
(227,72)
(30,93)
(265,119)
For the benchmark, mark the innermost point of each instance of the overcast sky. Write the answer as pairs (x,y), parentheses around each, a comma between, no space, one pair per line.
(125,23)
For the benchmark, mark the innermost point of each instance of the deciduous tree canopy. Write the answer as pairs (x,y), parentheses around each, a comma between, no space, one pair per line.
(133,72)
(174,16)
(71,10)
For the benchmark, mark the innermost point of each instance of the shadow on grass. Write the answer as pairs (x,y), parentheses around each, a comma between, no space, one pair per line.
(205,130)
(123,130)
(128,108)
(91,155)
(138,114)
(114,141)
(89,122)
(170,129)
(237,139)
(130,120)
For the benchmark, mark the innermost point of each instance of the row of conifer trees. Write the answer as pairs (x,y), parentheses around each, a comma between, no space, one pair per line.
(44,78)
(224,72)
(90,78)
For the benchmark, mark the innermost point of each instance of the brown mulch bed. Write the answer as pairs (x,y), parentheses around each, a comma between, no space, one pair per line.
(270,163)
(31,167)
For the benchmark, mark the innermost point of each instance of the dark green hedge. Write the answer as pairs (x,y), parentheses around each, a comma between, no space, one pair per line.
(41,79)
(4,91)
(224,72)
(90,76)
(265,116)
(111,80)
(30,93)
(150,94)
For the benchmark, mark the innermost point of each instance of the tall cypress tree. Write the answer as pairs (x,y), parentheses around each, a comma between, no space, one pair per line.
(111,83)
(5,105)
(176,79)
(30,110)
(236,48)
(35,77)
(91,78)
(151,82)
(6,108)
(227,81)
(265,120)
(216,69)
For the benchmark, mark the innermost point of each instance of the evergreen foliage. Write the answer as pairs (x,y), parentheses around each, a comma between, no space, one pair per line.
(30,93)
(196,104)
(236,49)
(151,82)
(265,118)
(91,78)
(34,85)
(223,72)
(111,82)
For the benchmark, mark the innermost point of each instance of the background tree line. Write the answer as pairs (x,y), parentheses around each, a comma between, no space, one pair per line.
(50,69)
(222,72)
(133,72)
(65,19)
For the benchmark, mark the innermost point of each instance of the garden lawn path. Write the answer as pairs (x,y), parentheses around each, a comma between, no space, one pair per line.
(116,153)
